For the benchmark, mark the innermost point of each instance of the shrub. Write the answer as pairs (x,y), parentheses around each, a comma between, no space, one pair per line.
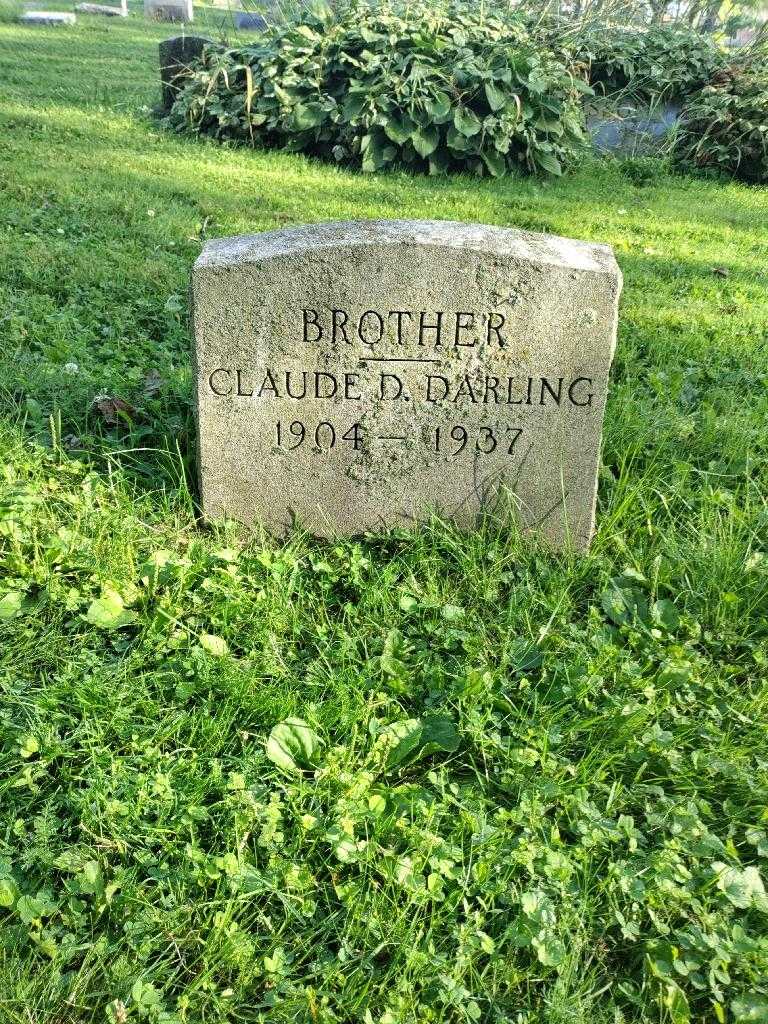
(725,128)
(437,90)
(658,63)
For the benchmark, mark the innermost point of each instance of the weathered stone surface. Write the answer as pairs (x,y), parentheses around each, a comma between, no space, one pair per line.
(109,10)
(47,18)
(169,10)
(176,55)
(359,375)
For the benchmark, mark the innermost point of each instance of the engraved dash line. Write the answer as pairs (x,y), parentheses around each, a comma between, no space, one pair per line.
(394,359)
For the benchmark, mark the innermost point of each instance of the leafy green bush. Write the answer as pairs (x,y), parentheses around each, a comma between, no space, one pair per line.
(446,90)
(659,63)
(725,128)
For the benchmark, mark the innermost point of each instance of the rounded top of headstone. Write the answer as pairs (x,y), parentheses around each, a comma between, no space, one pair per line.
(507,242)
(183,46)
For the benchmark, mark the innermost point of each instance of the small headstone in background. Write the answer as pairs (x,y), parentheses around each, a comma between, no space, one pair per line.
(632,130)
(360,375)
(250,20)
(169,10)
(176,55)
(110,10)
(48,18)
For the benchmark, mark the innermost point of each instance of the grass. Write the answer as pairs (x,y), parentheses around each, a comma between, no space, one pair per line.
(587,839)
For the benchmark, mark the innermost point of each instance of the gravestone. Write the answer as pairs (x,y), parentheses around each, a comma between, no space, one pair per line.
(176,55)
(633,130)
(250,20)
(169,10)
(108,10)
(360,375)
(47,18)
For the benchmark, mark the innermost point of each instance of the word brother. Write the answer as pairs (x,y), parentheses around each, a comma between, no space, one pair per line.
(436,328)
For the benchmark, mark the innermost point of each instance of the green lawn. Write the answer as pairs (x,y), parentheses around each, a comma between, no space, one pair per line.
(593,850)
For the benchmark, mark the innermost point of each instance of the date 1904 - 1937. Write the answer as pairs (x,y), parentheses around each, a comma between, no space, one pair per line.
(451,440)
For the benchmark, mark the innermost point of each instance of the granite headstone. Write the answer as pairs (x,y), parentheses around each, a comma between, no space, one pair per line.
(354,376)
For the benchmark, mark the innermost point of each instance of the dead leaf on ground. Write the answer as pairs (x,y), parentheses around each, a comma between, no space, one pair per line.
(112,409)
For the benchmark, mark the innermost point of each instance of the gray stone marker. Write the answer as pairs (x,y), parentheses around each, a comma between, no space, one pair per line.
(169,10)
(48,18)
(176,55)
(108,10)
(250,20)
(359,375)
(632,130)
